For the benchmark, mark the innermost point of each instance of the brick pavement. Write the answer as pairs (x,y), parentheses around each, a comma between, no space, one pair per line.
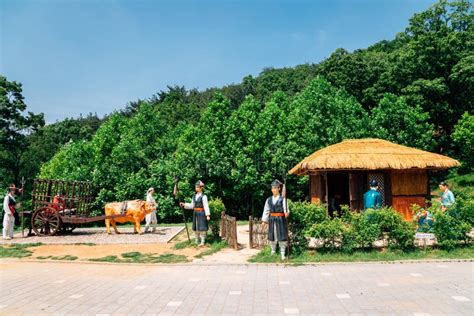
(45,288)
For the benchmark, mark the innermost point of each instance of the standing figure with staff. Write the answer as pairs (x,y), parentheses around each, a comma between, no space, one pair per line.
(275,215)
(201,213)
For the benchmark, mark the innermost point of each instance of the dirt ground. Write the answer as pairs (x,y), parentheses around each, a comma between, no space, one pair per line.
(85,252)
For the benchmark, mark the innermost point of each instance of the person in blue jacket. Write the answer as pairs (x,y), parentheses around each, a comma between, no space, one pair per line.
(373,198)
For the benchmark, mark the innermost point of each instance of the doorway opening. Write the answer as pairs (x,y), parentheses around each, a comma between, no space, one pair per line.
(338,193)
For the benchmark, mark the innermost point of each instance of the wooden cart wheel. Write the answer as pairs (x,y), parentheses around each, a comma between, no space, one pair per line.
(46,221)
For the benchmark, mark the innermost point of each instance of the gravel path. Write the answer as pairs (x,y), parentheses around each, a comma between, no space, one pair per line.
(99,236)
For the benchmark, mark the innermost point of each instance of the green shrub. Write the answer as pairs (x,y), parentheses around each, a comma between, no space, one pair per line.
(400,234)
(306,214)
(216,207)
(303,215)
(463,209)
(330,231)
(355,230)
(450,228)
(365,231)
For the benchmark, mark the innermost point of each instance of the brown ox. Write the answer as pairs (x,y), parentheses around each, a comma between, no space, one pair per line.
(135,212)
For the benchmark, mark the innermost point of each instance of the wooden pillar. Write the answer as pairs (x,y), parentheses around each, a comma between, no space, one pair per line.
(317,188)
(356,185)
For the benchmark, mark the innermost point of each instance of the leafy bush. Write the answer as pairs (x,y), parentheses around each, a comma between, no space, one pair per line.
(216,207)
(355,230)
(450,228)
(365,231)
(303,216)
(400,233)
(331,231)
(464,206)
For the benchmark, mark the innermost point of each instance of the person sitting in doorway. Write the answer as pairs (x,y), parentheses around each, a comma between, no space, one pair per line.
(334,206)
(373,198)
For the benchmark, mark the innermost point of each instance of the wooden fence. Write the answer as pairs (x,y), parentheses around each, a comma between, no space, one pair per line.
(257,233)
(229,230)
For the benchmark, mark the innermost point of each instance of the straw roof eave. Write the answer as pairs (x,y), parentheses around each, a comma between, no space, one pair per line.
(371,154)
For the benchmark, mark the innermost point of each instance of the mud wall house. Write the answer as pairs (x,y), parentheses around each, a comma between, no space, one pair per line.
(340,173)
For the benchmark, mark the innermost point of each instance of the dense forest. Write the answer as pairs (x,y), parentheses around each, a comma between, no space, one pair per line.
(416,89)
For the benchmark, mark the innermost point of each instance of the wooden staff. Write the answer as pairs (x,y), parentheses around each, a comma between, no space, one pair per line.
(22,208)
(283,194)
(175,194)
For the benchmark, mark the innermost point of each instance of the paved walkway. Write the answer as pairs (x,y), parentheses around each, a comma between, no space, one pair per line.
(92,289)
(229,255)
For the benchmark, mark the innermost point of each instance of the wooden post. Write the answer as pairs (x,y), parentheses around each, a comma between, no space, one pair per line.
(234,233)
(223,225)
(250,232)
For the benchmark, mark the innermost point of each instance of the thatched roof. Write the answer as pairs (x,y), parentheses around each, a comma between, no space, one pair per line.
(371,154)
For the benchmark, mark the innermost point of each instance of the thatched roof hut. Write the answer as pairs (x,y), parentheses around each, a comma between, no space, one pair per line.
(371,154)
(342,171)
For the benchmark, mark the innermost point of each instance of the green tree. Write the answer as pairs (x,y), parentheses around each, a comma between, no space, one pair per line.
(395,120)
(463,137)
(15,126)
(46,141)
(322,115)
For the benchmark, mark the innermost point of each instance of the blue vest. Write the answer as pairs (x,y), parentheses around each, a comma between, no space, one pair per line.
(277,207)
(372,199)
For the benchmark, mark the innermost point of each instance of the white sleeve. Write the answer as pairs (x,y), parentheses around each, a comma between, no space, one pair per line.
(266,212)
(286,208)
(6,209)
(206,205)
(189,206)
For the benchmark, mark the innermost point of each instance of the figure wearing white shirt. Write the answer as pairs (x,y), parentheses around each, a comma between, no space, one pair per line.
(150,218)
(201,213)
(275,214)
(9,203)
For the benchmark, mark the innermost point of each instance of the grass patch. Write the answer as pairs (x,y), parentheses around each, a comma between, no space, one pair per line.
(215,247)
(138,257)
(17,250)
(463,252)
(27,245)
(185,244)
(65,257)
(84,244)
(44,257)
(106,259)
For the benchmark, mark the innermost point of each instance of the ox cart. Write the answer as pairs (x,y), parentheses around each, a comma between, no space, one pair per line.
(60,205)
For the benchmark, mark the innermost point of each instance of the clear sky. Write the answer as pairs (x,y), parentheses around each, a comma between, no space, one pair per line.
(86,56)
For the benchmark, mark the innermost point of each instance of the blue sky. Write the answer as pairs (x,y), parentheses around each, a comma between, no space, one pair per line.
(86,56)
